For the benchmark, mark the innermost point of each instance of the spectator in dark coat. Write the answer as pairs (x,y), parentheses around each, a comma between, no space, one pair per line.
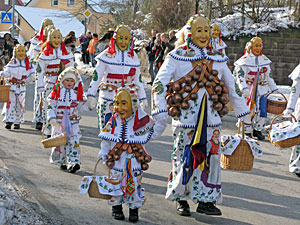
(150,48)
(170,45)
(84,46)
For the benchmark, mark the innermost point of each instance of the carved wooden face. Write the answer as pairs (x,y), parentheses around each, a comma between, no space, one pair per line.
(123,105)
(200,32)
(55,39)
(257,46)
(215,31)
(123,38)
(20,52)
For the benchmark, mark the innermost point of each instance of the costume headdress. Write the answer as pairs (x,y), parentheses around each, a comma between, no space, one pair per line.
(27,63)
(248,46)
(49,49)
(41,36)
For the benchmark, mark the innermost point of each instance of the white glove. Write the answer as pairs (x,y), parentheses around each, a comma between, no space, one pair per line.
(246,92)
(91,102)
(53,122)
(287,112)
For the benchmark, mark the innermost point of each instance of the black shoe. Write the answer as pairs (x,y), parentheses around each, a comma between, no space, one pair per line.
(117,212)
(208,208)
(297,174)
(74,168)
(183,208)
(259,135)
(248,135)
(133,215)
(8,125)
(16,126)
(63,167)
(49,136)
(39,126)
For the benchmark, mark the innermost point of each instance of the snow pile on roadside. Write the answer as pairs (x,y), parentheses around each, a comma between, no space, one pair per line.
(13,209)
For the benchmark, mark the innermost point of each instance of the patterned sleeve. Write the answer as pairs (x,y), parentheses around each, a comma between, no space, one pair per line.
(138,82)
(239,74)
(40,70)
(104,149)
(51,110)
(295,92)
(271,82)
(96,79)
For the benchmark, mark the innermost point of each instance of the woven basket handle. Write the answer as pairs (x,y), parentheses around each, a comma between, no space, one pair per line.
(280,115)
(43,131)
(241,124)
(95,168)
(281,94)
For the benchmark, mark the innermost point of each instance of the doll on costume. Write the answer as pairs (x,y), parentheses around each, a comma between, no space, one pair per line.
(122,148)
(293,106)
(18,72)
(53,59)
(217,44)
(64,104)
(116,65)
(254,80)
(193,86)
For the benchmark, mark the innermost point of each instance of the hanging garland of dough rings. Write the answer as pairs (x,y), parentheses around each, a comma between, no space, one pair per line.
(180,92)
(140,154)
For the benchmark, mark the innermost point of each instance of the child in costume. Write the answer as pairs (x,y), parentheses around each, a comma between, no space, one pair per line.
(64,104)
(122,148)
(294,165)
(193,86)
(217,44)
(254,80)
(116,65)
(18,72)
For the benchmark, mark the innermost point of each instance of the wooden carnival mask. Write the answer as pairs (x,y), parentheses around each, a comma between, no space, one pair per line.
(20,52)
(122,38)
(123,105)
(200,32)
(46,22)
(257,46)
(215,30)
(55,38)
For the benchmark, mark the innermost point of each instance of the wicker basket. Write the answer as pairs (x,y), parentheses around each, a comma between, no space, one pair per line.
(242,158)
(276,107)
(93,188)
(54,142)
(4,91)
(290,142)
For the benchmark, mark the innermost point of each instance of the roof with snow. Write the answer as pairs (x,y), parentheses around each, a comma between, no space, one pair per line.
(62,20)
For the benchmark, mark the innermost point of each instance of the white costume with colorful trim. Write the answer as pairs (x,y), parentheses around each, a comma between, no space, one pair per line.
(218,45)
(110,70)
(178,63)
(17,76)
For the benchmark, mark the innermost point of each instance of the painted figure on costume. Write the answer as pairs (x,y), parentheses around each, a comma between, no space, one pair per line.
(19,73)
(50,63)
(116,65)
(254,81)
(123,150)
(293,107)
(64,104)
(193,86)
(217,44)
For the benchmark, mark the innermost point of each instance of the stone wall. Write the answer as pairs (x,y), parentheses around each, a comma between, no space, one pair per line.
(282,47)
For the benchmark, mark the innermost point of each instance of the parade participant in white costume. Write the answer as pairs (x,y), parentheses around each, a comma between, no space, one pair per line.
(217,44)
(193,86)
(255,80)
(53,59)
(18,72)
(123,150)
(116,65)
(64,104)
(293,106)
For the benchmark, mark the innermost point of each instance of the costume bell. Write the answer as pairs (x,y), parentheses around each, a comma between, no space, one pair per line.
(217,44)
(18,72)
(116,65)
(122,148)
(293,107)
(193,86)
(51,62)
(64,104)
(255,80)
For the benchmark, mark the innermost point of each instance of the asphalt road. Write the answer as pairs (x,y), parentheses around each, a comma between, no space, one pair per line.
(268,194)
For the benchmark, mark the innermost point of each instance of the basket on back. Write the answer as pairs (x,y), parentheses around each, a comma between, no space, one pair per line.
(4,91)
(237,152)
(55,141)
(274,106)
(103,187)
(285,134)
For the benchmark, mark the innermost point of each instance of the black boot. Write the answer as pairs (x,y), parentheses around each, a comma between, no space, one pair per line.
(183,208)
(74,168)
(133,215)
(16,126)
(8,125)
(259,135)
(63,167)
(117,212)
(208,208)
(248,135)
(39,126)
(297,174)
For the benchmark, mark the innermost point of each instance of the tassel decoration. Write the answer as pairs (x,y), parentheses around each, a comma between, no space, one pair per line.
(63,49)
(41,36)
(136,120)
(49,49)
(111,46)
(80,92)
